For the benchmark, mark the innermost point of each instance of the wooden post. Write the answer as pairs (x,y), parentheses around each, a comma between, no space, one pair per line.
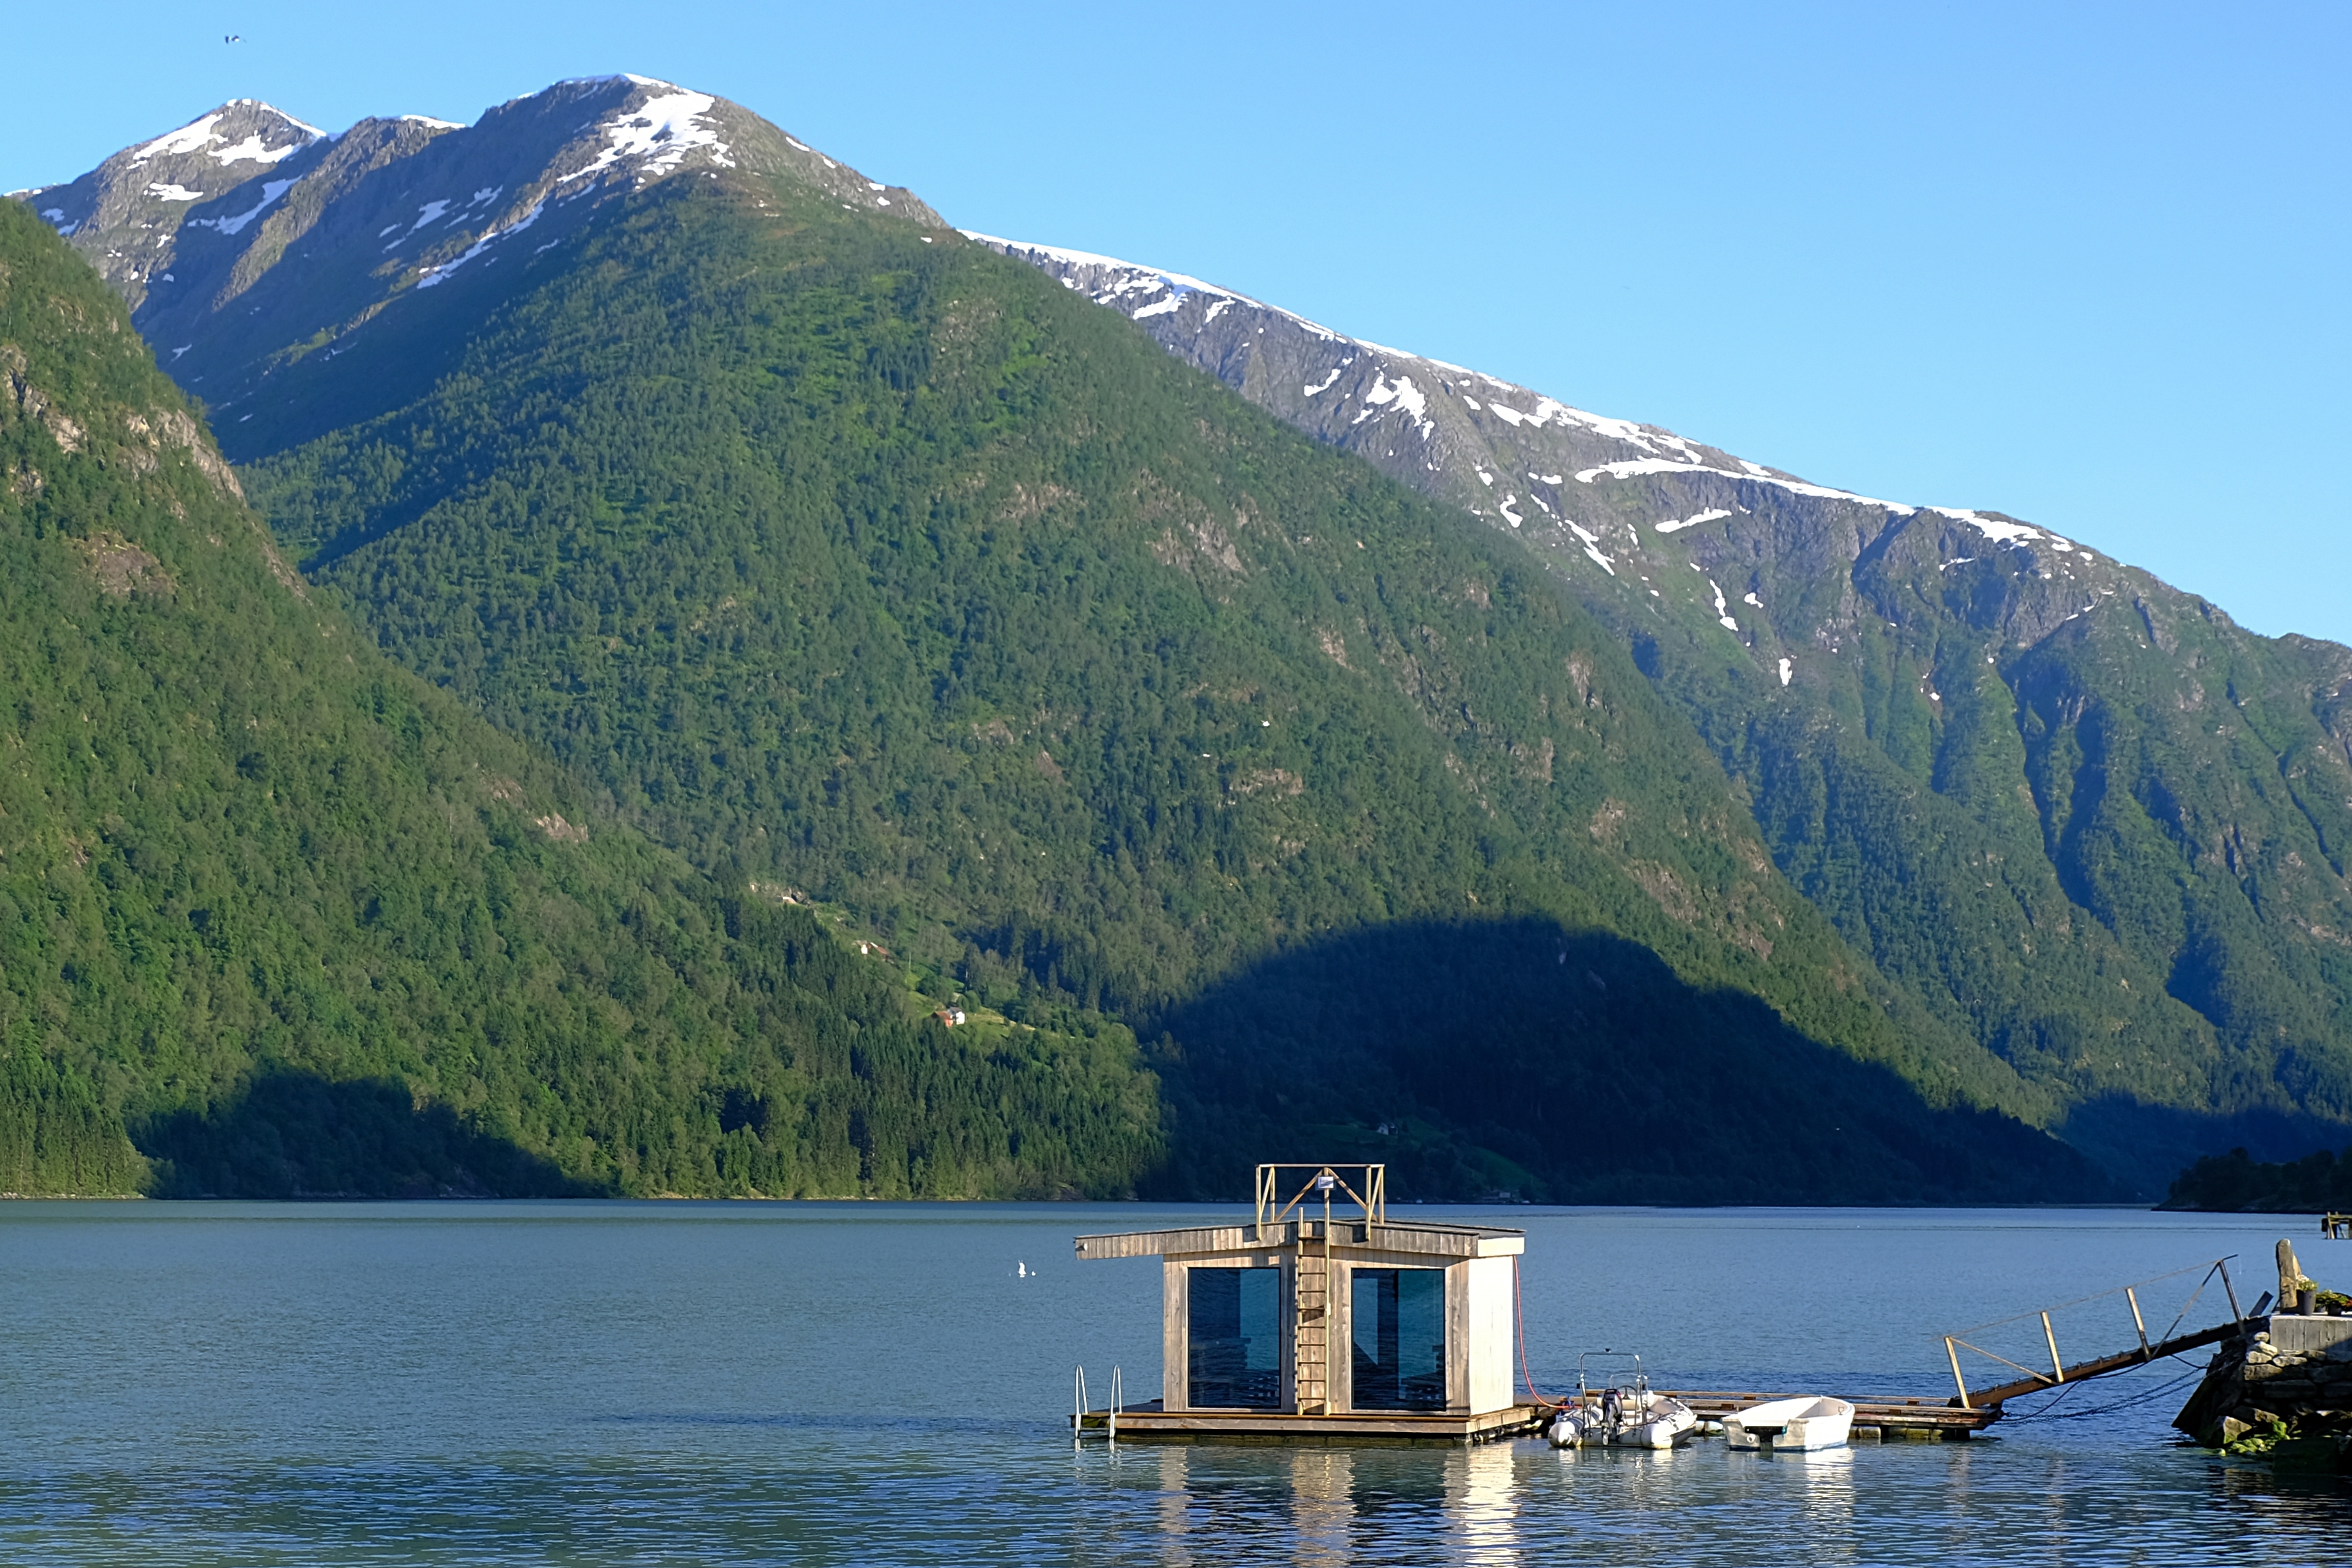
(2236,1316)
(1957,1382)
(2055,1364)
(2136,1321)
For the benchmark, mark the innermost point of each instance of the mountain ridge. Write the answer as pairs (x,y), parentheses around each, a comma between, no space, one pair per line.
(490,467)
(1833,647)
(456,198)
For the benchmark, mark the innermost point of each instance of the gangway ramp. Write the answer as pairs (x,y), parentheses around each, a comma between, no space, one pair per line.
(2171,1341)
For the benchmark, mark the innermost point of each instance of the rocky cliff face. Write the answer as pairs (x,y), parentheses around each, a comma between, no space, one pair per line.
(2081,814)
(248,243)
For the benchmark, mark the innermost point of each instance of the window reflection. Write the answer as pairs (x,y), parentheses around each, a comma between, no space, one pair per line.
(1398,1327)
(1236,1338)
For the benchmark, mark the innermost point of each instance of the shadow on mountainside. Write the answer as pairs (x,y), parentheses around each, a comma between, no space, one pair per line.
(1513,1058)
(292,1134)
(2156,1145)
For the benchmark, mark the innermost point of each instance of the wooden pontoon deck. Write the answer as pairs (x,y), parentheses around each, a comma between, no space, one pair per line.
(1150,1423)
(1902,1419)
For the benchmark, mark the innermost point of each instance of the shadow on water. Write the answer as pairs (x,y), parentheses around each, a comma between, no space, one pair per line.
(1516,1059)
(296,1134)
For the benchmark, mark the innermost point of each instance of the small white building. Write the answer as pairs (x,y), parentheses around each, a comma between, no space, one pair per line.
(1321,1317)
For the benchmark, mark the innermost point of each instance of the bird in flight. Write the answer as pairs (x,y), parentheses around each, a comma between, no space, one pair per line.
(232,37)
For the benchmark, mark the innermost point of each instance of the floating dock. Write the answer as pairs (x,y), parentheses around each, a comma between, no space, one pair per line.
(1907,1420)
(1896,1420)
(1150,1423)
(1319,1320)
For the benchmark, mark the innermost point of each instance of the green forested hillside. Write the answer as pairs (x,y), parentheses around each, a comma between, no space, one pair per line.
(845,555)
(2071,811)
(2109,842)
(2236,1182)
(275,916)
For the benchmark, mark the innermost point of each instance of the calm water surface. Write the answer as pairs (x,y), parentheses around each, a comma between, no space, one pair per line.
(856,1384)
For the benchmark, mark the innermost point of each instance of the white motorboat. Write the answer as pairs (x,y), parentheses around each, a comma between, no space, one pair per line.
(1791,1426)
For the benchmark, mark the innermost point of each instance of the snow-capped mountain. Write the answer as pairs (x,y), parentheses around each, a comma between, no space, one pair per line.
(246,241)
(2082,813)
(130,211)
(1625,507)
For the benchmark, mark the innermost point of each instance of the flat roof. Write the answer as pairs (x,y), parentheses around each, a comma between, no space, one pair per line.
(1432,1240)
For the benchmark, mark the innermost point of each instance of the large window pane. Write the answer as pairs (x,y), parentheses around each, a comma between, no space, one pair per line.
(1398,1326)
(1236,1338)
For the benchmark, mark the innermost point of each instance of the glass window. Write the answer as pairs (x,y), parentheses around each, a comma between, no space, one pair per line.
(1235,1320)
(1397,1321)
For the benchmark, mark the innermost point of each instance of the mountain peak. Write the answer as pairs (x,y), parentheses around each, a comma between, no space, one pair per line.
(215,136)
(306,238)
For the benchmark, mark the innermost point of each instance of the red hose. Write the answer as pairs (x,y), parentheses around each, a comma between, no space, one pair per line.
(1520,1309)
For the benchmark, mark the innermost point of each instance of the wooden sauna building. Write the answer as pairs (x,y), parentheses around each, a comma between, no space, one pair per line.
(1322,1319)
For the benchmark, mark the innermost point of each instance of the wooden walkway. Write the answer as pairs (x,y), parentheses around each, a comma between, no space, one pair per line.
(1896,1418)
(1931,1418)
(1149,1423)
(2035,1382)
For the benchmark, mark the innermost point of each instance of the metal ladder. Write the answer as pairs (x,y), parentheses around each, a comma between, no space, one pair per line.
(1079,1406)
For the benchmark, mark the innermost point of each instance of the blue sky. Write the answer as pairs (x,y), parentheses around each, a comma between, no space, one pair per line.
(2083,264)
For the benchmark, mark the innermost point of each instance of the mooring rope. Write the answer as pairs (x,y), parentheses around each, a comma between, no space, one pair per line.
(2045,1413)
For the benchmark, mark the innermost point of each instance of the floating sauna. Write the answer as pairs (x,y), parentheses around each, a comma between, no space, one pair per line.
(1321,1319)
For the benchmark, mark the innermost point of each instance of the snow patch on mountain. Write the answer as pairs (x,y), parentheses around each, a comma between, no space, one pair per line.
(1125,277)
(251,151)
(1591,546)
(271,190)
(2002,531)
(661,131)
(1400,397)
(440,273)
(1677,525)
(1636,468)
(188,139)
(199,135)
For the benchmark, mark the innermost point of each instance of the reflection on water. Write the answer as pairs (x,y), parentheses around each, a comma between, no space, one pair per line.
(1482,1505)
(1826,1507)
(1174,1515)
(513,1384)
(1322,1508)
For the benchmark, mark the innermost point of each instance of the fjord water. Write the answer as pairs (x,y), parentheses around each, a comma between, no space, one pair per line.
(599,1383)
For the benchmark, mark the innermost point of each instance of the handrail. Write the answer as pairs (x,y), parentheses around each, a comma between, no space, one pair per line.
(1322,1181)
(2059,1371)
(2110,1290)
(1641,1375)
